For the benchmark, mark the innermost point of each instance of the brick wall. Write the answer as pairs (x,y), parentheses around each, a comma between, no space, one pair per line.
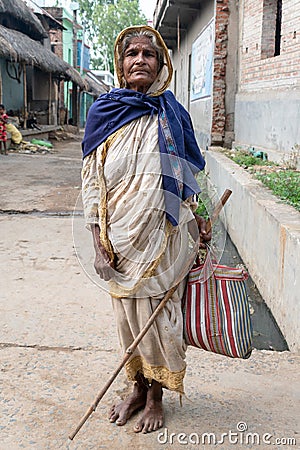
(56,38)
(259,69)
(219,78)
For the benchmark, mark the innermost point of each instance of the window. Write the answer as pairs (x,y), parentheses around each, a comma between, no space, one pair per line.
(278,28)
(271,28)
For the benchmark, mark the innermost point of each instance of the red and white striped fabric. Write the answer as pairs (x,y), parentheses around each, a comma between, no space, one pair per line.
(216,310)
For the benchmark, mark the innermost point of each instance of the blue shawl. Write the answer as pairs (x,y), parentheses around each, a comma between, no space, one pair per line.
(180,155)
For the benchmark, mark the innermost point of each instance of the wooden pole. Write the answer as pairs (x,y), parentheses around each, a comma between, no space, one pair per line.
(127,355)
(25,96)
(178,32)
(58,103)
(50,99)
(227,193)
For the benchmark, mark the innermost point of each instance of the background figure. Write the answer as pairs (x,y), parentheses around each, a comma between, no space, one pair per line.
(3,135)
(16,136)
(139,167)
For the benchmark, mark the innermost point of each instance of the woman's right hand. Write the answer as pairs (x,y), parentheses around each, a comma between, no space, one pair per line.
(103,265)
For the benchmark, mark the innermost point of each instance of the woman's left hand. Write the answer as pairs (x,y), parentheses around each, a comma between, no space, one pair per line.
(202,227)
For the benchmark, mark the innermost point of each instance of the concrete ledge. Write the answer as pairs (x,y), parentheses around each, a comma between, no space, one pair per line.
(267,236)
(43,133)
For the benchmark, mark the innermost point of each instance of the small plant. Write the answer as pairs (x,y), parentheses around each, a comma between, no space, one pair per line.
(283,183)
(291,161)
(246,159)
(283,180)
(204,201)
(201,209)
(207,200)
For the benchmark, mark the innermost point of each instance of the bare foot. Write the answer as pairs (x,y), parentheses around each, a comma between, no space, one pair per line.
(152,417)
(123,411)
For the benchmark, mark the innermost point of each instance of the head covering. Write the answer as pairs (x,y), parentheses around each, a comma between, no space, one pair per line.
(180,155)
(163,78)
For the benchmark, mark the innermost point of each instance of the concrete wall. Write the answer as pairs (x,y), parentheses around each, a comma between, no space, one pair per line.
(269,120)
(213,115)
(267,235)
(268,101)
(256,96)
(200,110)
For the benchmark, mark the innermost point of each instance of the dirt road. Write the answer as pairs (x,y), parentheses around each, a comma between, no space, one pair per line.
(59,343)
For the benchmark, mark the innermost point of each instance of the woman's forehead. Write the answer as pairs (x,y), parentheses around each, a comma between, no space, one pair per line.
(138,41)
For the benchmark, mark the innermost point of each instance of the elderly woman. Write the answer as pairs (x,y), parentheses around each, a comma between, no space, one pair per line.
(140,161)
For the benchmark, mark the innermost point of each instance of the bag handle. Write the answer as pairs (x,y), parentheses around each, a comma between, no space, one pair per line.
(225,196)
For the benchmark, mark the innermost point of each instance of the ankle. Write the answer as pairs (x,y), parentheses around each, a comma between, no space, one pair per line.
(141,383)
(155,392)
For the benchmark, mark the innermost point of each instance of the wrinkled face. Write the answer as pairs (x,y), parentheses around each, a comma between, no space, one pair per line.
(140,64)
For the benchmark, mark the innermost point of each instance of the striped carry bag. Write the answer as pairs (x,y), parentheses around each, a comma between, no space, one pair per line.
(216,311)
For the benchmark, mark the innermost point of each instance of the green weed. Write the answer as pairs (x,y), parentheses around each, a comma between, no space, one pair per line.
(283,183)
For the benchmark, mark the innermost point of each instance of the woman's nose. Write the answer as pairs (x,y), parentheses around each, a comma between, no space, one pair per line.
(139,57)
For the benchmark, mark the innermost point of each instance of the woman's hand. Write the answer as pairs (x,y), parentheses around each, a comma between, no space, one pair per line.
(103,265)
(205,236)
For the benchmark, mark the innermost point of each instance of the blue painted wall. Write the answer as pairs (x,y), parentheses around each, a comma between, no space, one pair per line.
(12,89)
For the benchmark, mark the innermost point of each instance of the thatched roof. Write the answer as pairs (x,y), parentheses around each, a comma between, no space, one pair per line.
(6,49)
(95,87)
(45,17)
(73,75)
(20,48)
(23,18)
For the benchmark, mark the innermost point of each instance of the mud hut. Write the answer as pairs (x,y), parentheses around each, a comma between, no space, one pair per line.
(30,73)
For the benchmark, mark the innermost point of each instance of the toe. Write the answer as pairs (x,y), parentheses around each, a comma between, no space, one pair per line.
(120,421)
(113,415)
(150,428)
(138,427)
(147,427)
(160,424)
(112,411)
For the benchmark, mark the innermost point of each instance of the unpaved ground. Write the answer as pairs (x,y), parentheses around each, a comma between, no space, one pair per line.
(59,343)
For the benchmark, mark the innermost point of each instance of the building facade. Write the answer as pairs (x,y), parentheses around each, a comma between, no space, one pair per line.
(237,70)
(64,44)
(268,99)
(30,74)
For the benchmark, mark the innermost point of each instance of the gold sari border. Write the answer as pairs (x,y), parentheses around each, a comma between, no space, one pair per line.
(168,379)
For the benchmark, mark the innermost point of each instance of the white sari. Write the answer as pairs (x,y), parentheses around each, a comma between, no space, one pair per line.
(122,192)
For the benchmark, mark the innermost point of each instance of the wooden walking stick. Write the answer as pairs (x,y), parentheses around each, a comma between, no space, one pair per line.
(142,333)
(226,194)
